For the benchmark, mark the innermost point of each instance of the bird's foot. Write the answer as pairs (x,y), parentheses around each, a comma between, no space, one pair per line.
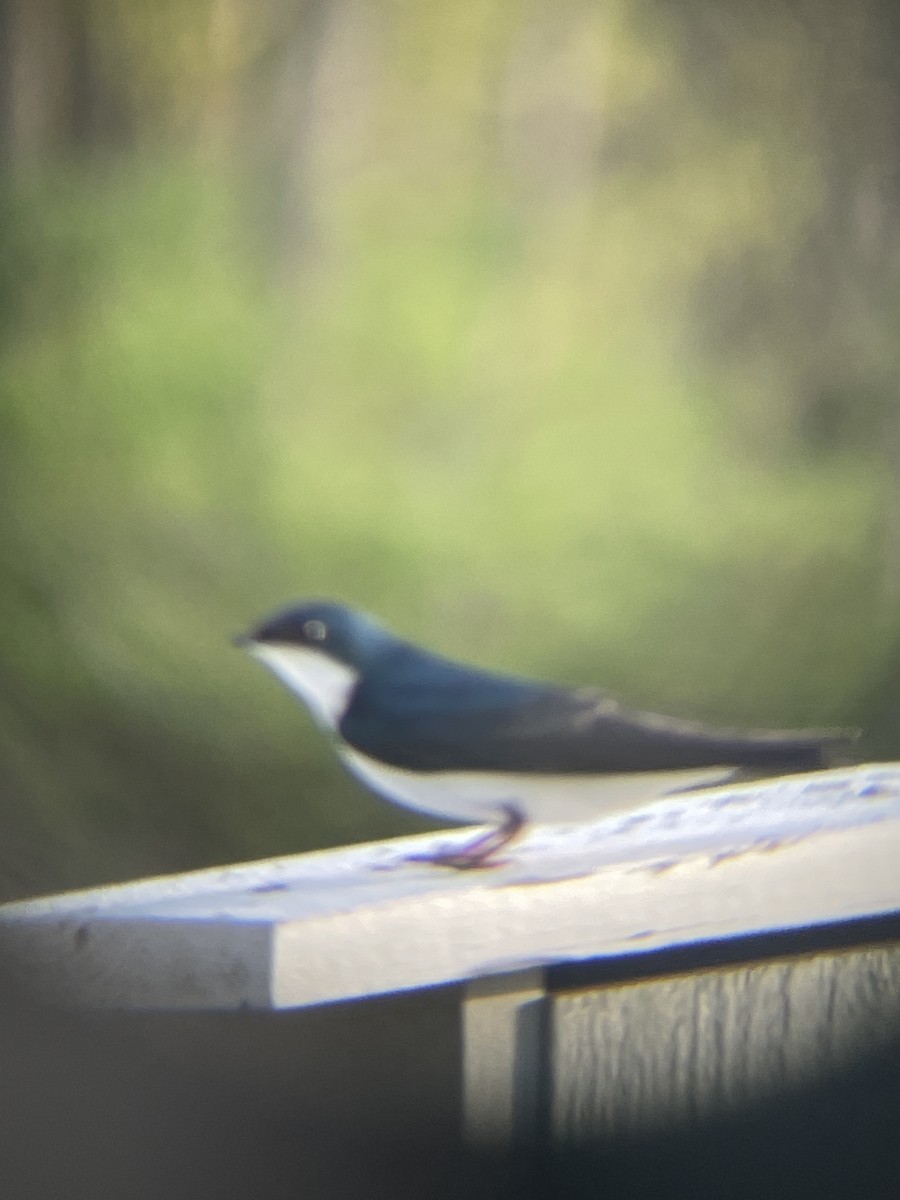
(463,859)
(480,853)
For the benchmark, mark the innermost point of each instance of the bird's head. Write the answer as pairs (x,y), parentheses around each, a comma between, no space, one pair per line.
(318,649)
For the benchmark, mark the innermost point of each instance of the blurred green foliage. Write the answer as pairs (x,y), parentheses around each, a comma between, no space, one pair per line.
(563,340)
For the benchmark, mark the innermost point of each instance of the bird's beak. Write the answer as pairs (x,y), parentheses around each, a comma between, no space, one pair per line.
(242,640)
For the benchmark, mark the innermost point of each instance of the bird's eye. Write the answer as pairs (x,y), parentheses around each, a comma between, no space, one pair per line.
(315,630)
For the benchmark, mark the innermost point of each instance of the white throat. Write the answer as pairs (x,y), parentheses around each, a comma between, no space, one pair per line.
(321,682)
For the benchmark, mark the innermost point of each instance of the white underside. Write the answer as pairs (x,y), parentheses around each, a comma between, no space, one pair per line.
(476,796)
(322,683)
(470,796)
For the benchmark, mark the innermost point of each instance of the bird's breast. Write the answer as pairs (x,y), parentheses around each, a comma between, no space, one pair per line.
(321,682)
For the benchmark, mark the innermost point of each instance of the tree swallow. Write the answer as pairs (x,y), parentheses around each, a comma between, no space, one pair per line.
(472,746)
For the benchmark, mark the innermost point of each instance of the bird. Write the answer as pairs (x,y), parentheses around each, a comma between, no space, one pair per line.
(469,745)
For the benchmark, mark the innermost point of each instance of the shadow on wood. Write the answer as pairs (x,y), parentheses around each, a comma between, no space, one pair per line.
(341,1102)
(833,1139)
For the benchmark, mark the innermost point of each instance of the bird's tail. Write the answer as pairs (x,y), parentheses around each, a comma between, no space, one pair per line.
(802,750)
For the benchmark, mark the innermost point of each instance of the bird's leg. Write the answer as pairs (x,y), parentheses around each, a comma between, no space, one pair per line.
(481,851)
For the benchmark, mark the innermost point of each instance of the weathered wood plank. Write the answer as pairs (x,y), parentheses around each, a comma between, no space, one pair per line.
(639,1057)
(502,1052)
(365,920)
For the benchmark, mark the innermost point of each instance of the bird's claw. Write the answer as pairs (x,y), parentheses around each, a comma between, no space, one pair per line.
(480,853)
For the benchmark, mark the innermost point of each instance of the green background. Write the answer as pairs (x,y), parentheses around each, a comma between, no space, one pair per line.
(561,337)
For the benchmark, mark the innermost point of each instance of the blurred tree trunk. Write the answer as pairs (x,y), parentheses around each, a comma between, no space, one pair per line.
(805,313)
(32,92)
(53,96)
(820,294)
(287,119)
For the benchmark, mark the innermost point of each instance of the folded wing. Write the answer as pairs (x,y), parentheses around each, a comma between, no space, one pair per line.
(428,714)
